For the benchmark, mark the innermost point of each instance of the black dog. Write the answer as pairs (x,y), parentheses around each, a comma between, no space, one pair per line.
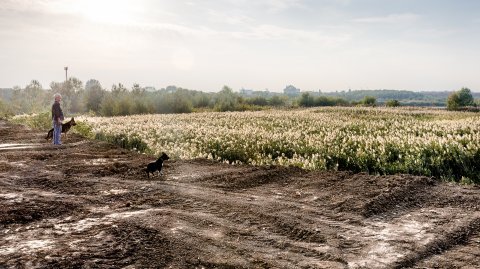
(65,128)
(156,166)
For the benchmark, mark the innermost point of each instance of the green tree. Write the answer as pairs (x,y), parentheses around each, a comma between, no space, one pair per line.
(5,110)
(392,103)
(118,89)
(93,95)
(33,98)
(123,105)
(72,94)
(76,93)
(181,102)
(107,104)
(137,90)
(459,99)
(369,101)
(201,100)
(16,101)
(465,97)
(258,101)
(453,101)
(277,100)
(226,100)
(306,100)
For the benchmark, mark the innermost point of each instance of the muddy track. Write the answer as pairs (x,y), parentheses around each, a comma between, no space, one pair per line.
(88,204)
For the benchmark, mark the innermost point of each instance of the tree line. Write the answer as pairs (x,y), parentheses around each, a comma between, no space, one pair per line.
(119,100)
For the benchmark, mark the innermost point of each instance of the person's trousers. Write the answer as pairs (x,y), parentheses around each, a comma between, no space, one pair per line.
(57,133)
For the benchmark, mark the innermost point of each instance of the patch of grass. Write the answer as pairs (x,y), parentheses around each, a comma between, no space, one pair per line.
(124,141)
(84,130)
(42,121)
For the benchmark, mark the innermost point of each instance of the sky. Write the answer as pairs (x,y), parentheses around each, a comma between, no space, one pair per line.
(328,45)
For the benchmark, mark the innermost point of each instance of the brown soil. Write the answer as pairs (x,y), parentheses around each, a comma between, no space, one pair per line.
(88,204)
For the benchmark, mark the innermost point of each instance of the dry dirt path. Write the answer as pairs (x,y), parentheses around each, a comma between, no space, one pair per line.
(88,204)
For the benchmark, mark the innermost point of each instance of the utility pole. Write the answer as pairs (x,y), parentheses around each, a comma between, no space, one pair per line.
(66,70)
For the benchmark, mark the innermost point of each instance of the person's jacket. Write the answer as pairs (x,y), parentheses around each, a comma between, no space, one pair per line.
(57,113)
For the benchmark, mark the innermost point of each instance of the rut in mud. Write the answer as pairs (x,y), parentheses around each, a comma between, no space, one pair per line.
(89,204)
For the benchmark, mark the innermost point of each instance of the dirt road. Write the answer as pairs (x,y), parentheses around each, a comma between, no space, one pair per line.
(88,204)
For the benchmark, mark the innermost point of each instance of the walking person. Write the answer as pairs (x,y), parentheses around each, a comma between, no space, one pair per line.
(57,118)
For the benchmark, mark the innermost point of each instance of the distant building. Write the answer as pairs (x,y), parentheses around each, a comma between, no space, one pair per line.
(291,91)
(246,92)
(171,89)
(150,89)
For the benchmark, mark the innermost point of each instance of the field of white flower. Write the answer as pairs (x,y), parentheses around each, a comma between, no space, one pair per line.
(376,140)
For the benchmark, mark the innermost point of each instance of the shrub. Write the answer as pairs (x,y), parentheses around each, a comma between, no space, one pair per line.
(42,121)
(84,129)
(392,103)
(133,142)
(368,101)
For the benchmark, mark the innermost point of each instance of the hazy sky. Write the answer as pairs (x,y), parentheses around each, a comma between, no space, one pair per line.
(257,44)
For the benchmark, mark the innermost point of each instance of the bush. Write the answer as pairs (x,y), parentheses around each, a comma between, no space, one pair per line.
(306,100)
(84,129)
(277,101)
(42,121)
(392,103)
(133,142)
(369,101)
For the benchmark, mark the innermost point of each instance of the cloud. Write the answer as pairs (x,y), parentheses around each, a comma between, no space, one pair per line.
(222,17)
(20,5)
(271,6)
(392,18)
(273,32)
(280,5)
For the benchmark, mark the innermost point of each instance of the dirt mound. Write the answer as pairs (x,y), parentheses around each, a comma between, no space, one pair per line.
(404,192)
(90,204)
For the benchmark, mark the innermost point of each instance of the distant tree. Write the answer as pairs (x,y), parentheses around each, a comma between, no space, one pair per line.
(72,94)
(226,100)
(392,103)
(465,97)
(459,99)
(277,100)
(33,97)
(5,110)
(137,90)
(258,101)
(123,106)
(75,85)
(107,105)
(201,100)
(306,100)
(181,102)
(369,101)
(76,89)
(118,89)
(453,101)
(325,101)
(93,95)
(16,99)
